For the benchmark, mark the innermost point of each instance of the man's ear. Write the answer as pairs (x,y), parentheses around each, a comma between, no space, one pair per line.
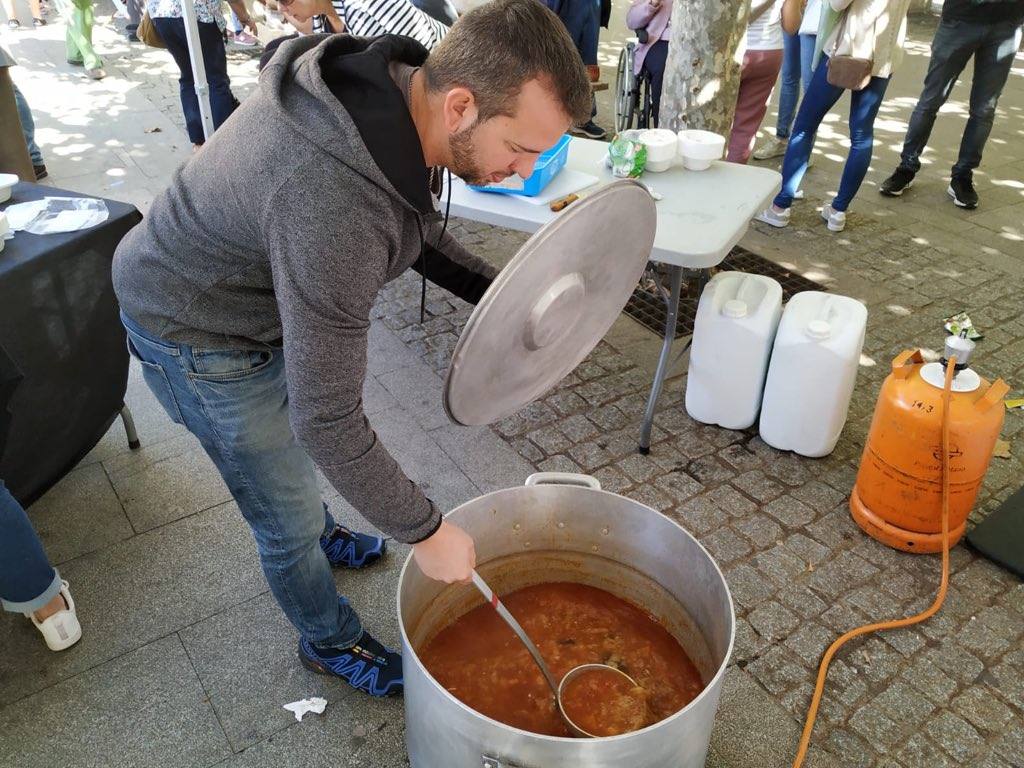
(460,110)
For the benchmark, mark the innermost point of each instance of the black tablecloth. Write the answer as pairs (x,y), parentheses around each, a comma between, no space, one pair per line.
(60,330)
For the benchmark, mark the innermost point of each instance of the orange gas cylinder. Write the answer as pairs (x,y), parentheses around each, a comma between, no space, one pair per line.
(898,495)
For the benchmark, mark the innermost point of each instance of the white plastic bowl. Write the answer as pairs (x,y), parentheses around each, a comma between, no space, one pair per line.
(661,149)
(700,148)
(7,180)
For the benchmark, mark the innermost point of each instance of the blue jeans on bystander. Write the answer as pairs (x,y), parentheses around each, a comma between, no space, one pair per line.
(797,58)
(222,101)
(821,96)
(28,127)
(27,580)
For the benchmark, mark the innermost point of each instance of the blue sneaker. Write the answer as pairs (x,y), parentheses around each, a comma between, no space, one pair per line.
(348,549)
(367,666)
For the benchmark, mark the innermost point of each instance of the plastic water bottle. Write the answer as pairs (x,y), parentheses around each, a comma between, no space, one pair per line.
(732,340)
(812,373)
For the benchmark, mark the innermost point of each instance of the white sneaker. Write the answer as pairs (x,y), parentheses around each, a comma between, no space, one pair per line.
(61,630)
(774,218)
(836,220)
(799,195)
(774,147)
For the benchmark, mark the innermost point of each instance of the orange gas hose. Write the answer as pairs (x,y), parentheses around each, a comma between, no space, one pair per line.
(819,686)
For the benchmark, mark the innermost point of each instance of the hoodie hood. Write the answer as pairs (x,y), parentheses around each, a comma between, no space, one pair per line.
(337,92)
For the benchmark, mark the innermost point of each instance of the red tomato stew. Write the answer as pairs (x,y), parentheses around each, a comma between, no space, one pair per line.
(483,664)
(602,702)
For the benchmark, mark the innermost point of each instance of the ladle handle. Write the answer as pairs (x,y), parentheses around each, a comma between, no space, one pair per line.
(499,606)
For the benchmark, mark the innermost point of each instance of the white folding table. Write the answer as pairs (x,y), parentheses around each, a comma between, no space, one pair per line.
(701,216)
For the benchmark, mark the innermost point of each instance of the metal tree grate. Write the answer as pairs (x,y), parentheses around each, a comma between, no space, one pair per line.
(648,308)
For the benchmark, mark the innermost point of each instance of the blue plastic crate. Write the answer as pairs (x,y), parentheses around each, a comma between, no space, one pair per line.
(548,165)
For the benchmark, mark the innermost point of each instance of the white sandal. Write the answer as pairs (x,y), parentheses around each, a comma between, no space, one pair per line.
(61,630)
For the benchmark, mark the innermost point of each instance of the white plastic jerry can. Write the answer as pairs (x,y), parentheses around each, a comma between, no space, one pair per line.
(812,373)
(732,339)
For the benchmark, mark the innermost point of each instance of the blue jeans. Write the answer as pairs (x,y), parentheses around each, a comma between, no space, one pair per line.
(797,57)
(27,581)
(582,19)
(236,403)
(819,99)
(222,101)
(993,47)
(28,127)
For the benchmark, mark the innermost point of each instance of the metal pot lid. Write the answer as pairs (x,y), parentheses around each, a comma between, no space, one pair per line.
(551,305)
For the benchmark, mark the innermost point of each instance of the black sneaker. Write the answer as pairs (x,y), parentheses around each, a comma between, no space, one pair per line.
(40,171)
(345,548)
(900,181)
(961,189)
(367,666)
(590,129)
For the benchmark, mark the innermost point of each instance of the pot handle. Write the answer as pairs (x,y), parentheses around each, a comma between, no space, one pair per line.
(563,478)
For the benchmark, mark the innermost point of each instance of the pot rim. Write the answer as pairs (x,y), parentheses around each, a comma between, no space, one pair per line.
(711,684)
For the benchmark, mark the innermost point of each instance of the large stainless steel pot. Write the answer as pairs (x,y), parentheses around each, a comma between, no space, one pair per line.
(565,528)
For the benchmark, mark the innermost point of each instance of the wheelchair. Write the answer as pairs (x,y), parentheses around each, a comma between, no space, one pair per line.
(633,108)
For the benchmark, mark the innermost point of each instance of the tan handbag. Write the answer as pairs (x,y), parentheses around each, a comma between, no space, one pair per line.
(147,33)
(850,72)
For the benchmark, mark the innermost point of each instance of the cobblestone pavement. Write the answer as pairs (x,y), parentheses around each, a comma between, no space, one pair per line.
(180,619)
(948,692)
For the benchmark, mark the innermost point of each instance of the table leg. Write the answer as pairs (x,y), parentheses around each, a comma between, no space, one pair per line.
(676,278)
(129,428)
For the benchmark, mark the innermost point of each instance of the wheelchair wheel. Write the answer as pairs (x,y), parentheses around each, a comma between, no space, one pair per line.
(625,82)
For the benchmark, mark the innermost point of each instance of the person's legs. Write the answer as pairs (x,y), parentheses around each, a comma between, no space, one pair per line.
(992,63)
(789,93)
(807,43)
(222,101)
(172,32)
(236,403)
(864,106)
(952,46)
(79,35)
(135,10)
(654,65)
(27,580)
(760,70)
(28,127)
(819,99)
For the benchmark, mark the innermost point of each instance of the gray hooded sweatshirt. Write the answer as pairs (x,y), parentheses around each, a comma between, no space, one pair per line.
(279,235)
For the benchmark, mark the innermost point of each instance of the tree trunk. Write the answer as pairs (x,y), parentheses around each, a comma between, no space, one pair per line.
(702,74)
(14,156)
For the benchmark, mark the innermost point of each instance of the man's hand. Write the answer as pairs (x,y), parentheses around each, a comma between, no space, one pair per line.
(247,21)
(447,556)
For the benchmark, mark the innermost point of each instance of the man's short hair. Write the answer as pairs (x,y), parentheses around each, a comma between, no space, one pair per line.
(494,49)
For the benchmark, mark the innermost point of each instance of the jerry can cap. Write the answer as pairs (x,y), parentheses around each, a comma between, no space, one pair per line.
(819,329)
(735,308)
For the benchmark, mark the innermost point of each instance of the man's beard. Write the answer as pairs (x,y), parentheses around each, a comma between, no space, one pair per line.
(463,153)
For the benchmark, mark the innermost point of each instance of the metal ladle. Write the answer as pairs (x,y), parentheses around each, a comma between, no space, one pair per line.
(557,688)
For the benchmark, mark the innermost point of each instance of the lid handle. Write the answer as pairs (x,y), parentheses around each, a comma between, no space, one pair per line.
(905,362)
(563,478)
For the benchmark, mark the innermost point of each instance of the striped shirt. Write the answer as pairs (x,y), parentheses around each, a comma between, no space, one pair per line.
(371,18)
